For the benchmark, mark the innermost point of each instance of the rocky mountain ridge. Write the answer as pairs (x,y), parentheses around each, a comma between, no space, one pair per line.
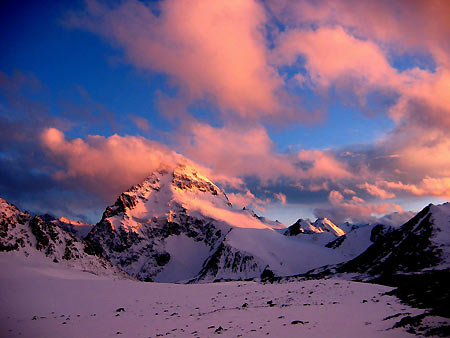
(23,234)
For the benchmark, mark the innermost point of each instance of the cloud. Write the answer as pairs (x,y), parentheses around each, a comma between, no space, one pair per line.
(376,191)
(358,68)
(248,199)
(355,209)
(234,151)
(141,123)
(331,54)
(281,197)
(228,56)
(416,152)
(213,50)
(414,26)
(338,56)
(237,151)
(322,164)
(428,186)
(105,165)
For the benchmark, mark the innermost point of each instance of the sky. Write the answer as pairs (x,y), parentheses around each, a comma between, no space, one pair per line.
(337,109)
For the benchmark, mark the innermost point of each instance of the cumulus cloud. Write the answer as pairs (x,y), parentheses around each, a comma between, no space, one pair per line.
(376,191)
(414,155)
(413,26)
(355,209)
(105,165)
(281,197)
(237,151)
(331,54)
(210,49)
(248,199)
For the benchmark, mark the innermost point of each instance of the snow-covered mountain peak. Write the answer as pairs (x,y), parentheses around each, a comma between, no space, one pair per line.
(164,194)
(76,228)
(321,225)
(419,245)
(300,227)
(8,209)
(325,225)
(178,225)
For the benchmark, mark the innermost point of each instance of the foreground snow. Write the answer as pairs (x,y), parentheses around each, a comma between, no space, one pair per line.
(45,300)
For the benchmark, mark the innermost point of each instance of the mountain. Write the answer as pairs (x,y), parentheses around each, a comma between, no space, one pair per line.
(414,258)
(321,225)
(77,228)
(35,237)
(358,239)
(420,244)
(178,226)
(323,232)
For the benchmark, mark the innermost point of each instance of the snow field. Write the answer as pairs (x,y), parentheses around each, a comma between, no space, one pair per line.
(48,301)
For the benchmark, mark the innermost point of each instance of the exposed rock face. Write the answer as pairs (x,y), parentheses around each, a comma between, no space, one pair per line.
(300,227)
(178,226)
(226,261)
(419,244)
(321,225)
(76,228)
(14,233)
(136,233)
(27,235)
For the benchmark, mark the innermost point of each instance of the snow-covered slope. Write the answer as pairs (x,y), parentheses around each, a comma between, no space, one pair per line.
(178,225)
(421,244)
(27,236)
(357,240)
(45,301)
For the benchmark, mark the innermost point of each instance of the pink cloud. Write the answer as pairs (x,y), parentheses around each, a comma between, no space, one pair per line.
(106,166)
(415,25)
(349,191)
(217,51)
(239,152)
(422,152)
(235,151)
(281,197)
(424,99)
(428,186)
(357,67)
(323,165)
(141,123)
(355,209)
(376,191)
(332,53)
(210,49)
(248,199)
(235,219)
(419,145)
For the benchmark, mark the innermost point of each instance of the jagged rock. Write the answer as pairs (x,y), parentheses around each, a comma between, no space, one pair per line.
(167,229)
(28,235)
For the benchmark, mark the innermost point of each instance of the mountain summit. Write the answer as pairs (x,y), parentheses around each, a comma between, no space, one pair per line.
(177,225)
(321,225)
(420,244)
